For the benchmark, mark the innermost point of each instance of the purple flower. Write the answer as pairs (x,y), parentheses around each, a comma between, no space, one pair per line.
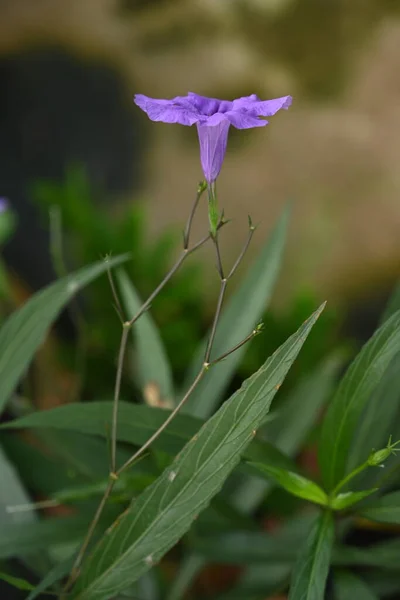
(213,118)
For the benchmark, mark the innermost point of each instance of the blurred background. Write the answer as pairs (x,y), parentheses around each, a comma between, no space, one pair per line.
(86,173)
(72,138)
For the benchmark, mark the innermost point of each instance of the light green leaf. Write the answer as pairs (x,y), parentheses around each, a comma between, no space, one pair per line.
(165,511)
(55,574)
(295,484)
(17,582)
(384,510)
(152,365)
(136,424)
(237,321)
(24,331)
(347,499)
(312,566)
(348,586)
(355,389)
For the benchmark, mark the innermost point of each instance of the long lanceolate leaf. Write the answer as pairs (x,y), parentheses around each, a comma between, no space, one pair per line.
(311,570)
(237,320)
(25,330)
(355,389)
(167,508)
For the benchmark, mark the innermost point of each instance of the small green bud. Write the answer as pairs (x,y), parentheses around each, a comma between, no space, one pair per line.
(202,187)
(377,458)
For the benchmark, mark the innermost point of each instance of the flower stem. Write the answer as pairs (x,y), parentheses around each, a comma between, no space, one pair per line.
(213,215)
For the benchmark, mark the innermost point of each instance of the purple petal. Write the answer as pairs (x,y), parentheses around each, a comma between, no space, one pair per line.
(261,108)
(242,120)
(4,204)
(176,110)
(213,140)
(209,106)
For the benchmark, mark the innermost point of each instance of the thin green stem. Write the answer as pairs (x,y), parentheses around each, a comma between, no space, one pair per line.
(76,566)
(117,389)
(167,421)
(349,477)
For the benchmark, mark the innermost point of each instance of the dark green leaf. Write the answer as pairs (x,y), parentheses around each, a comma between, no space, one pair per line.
(376,424)
(347,499)
(312,566)
(384,555)
(136,424)
(249,548)
(24,331)
(295,484)
(360,381)
(348,586)
(384,510)
(166,510)
(53,576)
(237,321)
(151,358)
(26,538)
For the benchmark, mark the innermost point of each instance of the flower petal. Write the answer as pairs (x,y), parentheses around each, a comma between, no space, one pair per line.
(209,106)
(176,110)
(213,141)
(261,108)
(242,120)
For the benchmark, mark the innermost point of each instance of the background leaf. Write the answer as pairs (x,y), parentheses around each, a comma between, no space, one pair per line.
(384,510)
(348,586)
(151,361)
(17,582)
(136,423)
(356,387)
(312,567)
(165,511)
(237,321)
(24,331)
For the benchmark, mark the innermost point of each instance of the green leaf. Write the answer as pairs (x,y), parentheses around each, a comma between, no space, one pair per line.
(355,389)
(55,574)
(295,484)
(348,586)
(237,321)
(347,499)
(188,570)
(17,582)
(21,539)
(151,358)
(291,425)
(165,511)
(376,425)
(136,424)
(252,548)
(312,567)
(384,510)
(24,331)
(384,555)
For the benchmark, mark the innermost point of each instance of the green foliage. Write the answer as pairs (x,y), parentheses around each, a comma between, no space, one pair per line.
(184,481)
(312,566)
